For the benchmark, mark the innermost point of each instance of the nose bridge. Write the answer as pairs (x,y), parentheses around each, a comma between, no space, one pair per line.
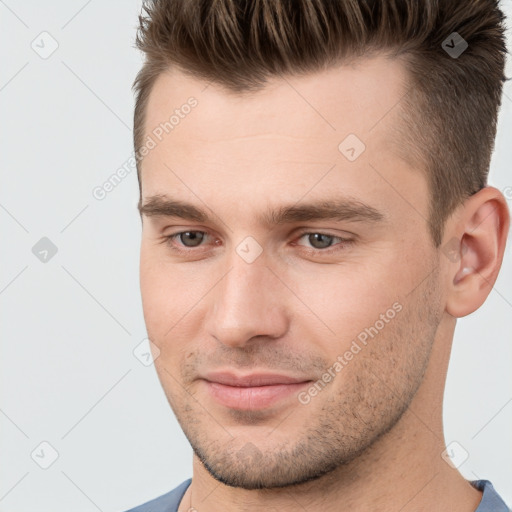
(246,303)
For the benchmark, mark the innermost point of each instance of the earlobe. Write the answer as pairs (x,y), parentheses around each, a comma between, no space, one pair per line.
(478,243)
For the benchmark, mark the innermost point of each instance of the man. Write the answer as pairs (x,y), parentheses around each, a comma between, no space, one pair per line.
(316,216)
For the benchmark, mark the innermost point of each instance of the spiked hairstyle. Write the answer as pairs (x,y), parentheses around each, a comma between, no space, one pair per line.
(448,115)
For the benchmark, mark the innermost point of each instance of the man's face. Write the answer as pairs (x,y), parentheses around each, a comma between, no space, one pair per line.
(241,293)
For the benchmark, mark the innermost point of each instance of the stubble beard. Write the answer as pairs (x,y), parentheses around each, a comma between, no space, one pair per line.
(363,403)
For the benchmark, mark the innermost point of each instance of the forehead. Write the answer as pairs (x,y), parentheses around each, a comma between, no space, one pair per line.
(351,98)
(286,136)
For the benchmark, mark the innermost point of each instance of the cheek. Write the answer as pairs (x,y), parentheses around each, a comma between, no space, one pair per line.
(163,307)
(160,292)
(171,298)
(345,299)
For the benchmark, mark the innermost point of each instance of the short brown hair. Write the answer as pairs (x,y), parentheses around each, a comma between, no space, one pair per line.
(449,113)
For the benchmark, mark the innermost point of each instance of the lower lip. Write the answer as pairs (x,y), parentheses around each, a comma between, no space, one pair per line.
(252,398)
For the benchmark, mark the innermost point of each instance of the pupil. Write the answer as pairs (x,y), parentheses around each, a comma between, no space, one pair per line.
(194,236)
(318,237)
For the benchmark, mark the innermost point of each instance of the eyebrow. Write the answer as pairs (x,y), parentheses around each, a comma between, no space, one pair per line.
(342,209)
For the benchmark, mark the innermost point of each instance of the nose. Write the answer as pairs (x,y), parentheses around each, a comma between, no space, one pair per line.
(248,302)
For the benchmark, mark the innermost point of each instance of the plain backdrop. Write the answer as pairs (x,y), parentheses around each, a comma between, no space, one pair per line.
(72,319)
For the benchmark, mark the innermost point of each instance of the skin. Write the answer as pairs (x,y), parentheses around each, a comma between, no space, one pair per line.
(373,437)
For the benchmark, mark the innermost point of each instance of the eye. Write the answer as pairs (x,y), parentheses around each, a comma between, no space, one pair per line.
(186,241)
(321,241)
(190,238)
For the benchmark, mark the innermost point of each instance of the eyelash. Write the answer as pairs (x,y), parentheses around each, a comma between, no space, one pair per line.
(344,242)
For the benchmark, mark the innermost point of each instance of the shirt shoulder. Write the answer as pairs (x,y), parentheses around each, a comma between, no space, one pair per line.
(491,500)
(167,502)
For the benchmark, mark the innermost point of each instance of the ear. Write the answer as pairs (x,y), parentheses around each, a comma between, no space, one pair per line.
(474,250)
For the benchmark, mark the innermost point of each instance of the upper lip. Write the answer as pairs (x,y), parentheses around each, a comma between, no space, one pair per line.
(253,379)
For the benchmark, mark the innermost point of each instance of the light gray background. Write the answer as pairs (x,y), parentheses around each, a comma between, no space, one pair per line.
(69,326)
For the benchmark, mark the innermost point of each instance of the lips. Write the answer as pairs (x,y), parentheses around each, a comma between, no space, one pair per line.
(252,392)
(251,380)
